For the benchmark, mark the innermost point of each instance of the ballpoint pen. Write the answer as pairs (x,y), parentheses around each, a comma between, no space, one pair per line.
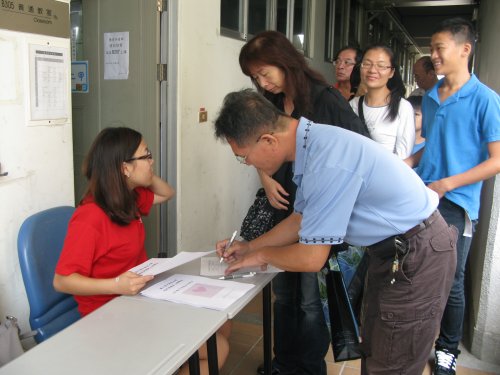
(228,245)
(238,276)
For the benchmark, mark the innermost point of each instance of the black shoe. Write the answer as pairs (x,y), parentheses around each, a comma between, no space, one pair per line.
(260,370)
(446,363)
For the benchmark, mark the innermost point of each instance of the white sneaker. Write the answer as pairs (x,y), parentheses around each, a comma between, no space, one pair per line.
(445,363)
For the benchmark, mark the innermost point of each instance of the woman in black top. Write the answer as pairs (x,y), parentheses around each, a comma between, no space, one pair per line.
(283,76)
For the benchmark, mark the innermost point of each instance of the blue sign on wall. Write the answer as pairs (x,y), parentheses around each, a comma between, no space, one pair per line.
(79,76)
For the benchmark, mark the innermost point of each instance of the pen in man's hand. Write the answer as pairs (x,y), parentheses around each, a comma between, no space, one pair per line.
(237,276)
(228,245)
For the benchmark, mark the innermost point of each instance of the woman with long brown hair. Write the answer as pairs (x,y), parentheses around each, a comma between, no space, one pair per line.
(282,75)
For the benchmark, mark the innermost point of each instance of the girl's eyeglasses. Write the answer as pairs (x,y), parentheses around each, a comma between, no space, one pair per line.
(378,66)
(148,156)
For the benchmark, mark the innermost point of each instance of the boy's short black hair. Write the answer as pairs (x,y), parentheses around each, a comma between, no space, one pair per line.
(461,29)
(415,101)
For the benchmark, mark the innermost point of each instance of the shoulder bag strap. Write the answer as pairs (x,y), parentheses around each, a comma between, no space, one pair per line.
(360,108)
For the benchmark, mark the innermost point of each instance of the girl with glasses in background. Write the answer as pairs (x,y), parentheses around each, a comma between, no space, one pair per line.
(388,116)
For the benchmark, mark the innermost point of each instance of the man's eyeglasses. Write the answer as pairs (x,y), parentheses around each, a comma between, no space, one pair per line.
(339,62)
(148,156)
(378,66)
(243,159)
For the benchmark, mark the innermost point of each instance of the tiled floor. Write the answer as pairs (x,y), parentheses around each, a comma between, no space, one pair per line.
(247,347)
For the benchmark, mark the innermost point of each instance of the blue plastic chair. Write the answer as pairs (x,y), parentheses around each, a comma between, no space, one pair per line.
(39,245)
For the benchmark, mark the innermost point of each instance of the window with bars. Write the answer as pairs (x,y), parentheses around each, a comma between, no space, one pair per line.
(343,26)
(242,19)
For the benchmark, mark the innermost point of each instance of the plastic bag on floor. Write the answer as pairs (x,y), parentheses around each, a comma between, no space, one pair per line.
(10,343)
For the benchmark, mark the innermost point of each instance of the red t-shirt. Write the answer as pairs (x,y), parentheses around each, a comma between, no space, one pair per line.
(99,248)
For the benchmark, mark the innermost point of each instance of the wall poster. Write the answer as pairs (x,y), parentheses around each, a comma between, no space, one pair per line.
(116,55)
(49,86)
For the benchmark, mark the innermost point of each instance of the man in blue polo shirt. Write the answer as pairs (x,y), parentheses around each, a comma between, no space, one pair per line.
(349,189)
(461,125)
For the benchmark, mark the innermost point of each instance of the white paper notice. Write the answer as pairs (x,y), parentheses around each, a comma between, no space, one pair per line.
(198,291)
(211,266)
(49,87)
(155,266)
(116,55)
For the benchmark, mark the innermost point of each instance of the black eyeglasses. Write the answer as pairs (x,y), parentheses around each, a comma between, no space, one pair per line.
(148,156)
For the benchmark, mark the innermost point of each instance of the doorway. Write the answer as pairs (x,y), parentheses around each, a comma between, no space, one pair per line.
(130,97)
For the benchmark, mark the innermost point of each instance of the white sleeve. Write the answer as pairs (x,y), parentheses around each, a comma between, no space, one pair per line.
(406,130)
(354,104)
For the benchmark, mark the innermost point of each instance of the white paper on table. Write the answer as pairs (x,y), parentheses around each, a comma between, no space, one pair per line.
(211,266)
(155,266)
(198,291)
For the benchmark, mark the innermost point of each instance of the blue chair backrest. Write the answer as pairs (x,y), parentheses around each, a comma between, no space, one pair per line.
(39,244)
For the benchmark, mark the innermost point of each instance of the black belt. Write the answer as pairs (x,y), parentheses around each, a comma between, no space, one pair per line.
(424,224)
(397,247)
(387,246)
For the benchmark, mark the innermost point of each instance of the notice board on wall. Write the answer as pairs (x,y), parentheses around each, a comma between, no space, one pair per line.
(48,82)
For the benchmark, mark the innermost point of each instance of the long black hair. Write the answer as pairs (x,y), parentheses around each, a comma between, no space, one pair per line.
(102,167)
(394,84)
(355,79)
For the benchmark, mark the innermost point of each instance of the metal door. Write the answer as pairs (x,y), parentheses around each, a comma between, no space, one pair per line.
(134,101)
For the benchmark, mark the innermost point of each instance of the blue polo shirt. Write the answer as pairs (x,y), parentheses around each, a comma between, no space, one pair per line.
(349,188)
(457,133)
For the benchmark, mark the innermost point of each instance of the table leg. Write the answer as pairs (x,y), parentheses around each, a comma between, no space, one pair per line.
(266,317)
(194,364)
(213,365)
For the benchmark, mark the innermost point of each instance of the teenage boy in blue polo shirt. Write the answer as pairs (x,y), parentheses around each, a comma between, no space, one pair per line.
(349,188)
(461,126)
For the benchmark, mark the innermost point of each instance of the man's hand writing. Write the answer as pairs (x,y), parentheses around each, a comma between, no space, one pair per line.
(237,249)
(250,259)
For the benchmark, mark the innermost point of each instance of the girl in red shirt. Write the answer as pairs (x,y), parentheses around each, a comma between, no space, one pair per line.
(106,234)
